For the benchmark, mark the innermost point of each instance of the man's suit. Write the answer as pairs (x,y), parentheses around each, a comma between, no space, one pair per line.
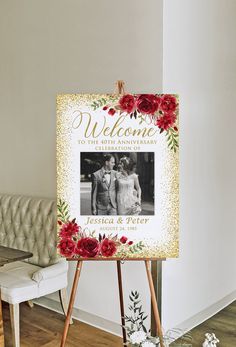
(104,192)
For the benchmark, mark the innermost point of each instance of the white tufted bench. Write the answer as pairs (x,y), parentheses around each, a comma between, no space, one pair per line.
(29,224)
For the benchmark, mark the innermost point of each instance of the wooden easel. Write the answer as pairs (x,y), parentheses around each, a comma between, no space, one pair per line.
(118,261)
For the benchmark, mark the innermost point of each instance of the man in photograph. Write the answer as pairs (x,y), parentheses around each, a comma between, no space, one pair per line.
(103,197)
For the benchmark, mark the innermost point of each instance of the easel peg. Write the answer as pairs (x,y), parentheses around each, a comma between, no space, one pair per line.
(120,87)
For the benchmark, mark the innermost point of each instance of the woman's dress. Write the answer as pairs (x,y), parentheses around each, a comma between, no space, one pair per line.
(127,202)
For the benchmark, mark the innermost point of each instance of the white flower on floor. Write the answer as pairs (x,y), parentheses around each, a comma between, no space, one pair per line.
(210,341)
(148,344)
(138,337)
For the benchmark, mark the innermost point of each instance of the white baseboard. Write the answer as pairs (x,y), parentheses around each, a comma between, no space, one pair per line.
(115,328)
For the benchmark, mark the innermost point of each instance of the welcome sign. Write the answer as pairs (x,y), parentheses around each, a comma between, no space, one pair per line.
(117,175)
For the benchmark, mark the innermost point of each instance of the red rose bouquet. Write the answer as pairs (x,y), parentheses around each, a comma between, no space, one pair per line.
(161,110)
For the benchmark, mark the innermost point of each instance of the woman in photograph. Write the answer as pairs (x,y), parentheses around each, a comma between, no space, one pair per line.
(128,188)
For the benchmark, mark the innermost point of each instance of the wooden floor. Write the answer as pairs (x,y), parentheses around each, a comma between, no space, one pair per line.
(42,328)
(223,324)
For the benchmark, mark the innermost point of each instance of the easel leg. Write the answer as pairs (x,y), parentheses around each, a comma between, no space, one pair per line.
(122,311)
(154,303)
(71,303)
(156,268)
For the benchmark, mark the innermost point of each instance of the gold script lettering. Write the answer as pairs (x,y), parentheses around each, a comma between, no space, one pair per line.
(100,127)
(88,132)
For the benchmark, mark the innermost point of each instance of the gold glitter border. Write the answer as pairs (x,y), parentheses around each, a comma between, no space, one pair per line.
(165,247)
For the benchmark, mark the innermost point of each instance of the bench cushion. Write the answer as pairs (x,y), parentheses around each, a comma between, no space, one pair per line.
(17,284)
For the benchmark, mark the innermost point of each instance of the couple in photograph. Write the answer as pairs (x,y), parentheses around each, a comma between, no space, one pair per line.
(116,192)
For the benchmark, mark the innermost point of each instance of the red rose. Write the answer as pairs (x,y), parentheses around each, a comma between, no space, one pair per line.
(111,112)
(59,222)
(88,247)
(108,248)
(68,230)
(148,103)
(105,108)
(123,239)
(127,103)
(130,243)
(166,121)
(67,247)
(168,104)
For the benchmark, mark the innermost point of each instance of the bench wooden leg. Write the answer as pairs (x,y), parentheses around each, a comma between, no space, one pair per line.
(15,323)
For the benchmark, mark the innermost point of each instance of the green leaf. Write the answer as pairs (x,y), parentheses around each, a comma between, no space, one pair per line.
(172,139)
(99,103)
(144,329)
(63,211)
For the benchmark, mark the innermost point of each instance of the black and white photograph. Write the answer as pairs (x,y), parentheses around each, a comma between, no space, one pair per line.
(117,183)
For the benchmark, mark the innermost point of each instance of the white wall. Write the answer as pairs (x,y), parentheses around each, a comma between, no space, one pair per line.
(71,46)
(50,47)
(199,63)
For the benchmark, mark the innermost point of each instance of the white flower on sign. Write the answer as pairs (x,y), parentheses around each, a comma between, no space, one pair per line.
(138,337)
(148,344)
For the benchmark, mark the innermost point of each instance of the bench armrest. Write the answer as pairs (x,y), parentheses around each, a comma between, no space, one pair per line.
(51,271)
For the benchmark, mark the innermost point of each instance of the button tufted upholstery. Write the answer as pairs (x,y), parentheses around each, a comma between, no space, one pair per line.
(29,224)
